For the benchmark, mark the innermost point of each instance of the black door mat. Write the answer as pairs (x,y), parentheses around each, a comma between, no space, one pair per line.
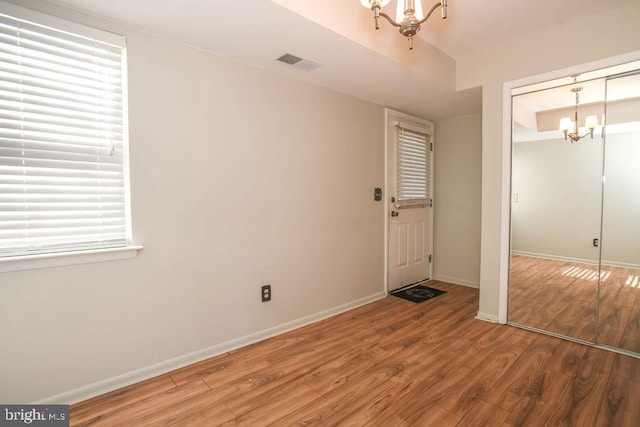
(417,293)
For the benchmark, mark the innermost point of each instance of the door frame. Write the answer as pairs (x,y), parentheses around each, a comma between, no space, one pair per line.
(388,113)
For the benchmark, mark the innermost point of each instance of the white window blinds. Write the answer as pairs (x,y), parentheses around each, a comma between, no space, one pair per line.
(63,171)
(413,172)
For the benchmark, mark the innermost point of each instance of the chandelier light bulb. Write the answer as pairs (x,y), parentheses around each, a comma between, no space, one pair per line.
(370,4)
(402,6)
(591,122)
(566,124)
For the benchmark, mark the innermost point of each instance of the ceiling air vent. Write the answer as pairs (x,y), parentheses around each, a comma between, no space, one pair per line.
(287,58)
(300,63)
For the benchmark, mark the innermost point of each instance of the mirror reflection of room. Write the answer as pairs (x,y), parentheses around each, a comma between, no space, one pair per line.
(575,209)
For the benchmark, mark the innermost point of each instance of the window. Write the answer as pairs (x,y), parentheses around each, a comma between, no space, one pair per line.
(413,169)
(63,137)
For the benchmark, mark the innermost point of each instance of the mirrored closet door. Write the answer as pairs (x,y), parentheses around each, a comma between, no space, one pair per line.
(619,296)
(575,211)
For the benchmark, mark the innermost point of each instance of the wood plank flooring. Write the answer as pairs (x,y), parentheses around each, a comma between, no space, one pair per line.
(562,297)
(389,363)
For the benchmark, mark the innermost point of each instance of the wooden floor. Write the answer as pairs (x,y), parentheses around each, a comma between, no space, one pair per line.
(563,297)
(390,363)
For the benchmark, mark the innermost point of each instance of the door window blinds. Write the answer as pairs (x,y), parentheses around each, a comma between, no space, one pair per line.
(63,167)
(413,172)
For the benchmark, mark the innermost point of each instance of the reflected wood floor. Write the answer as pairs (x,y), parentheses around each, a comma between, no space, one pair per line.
(389,363)
(561,297)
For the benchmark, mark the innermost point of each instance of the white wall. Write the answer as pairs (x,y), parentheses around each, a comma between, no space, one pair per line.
(457,191)
(560,194)
(621,203)
(566,46)
(239,178)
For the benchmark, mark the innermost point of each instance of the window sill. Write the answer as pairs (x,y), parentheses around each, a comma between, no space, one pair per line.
(31,262)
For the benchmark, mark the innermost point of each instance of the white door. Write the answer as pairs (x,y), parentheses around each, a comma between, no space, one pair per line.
(410,145)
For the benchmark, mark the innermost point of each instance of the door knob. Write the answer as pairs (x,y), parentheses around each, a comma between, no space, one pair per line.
(394,213)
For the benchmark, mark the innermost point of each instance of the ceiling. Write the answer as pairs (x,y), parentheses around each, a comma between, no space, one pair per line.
(593,91)
(537,113)
(339,34)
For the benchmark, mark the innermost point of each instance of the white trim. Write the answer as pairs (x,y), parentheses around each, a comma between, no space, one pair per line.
(556,257)
(458,281)
(426,129)
(505,212)
(579,260)
(125,144)
(619,264)
(503,285)
(385,196)
(32,262)
(132,377)
(433,195)
(423,125)
(487,317)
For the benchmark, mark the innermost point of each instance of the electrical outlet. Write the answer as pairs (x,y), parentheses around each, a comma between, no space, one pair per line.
(266,293)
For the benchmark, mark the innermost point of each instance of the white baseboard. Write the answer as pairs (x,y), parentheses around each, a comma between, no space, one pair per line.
(487,317)
(619,264)
(457,281)
(555,257)
(579,260)
(132,377)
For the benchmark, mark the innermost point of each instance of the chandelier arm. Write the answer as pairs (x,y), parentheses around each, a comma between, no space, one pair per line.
(391,21)
(433,8)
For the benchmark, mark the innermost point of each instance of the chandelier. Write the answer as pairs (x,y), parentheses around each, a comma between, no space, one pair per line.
(570,127)
(408,18)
